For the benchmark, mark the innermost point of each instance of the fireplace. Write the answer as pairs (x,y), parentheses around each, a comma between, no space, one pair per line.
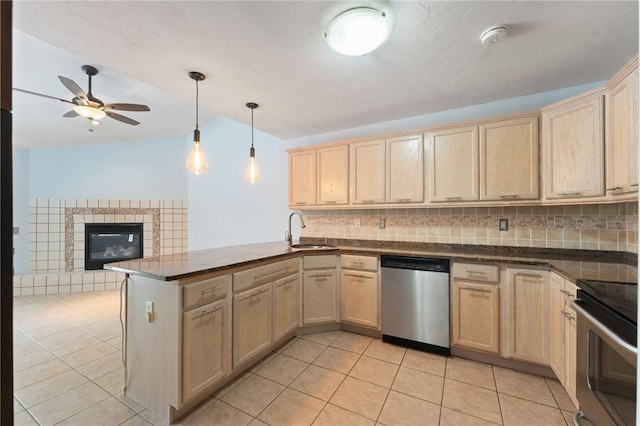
(111,242)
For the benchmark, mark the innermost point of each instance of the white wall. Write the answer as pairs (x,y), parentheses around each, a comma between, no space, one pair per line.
(147,170)
(224,209)
(489,109)
(21,210)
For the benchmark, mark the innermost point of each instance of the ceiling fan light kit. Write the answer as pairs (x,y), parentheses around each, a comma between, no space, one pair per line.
(358,31)
(252,173)
(493,35)
(196,163)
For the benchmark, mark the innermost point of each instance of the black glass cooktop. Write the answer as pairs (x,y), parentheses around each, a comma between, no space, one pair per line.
(621,297)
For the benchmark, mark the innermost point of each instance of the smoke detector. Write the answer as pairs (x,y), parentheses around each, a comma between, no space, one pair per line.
(493,35)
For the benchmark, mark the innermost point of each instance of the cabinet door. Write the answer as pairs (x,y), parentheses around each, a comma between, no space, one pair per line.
(205,347)
(367,181)
(527,315)
(558,320)
(475,316)
(286,306)
(319,297)
(405,170)
(509,160)
(302,178)
(622,136)
(333,175)
(453,164)
(359,298)
(252,323)
(574,150)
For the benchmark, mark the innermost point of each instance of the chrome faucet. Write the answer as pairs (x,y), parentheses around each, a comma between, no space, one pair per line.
(288,237)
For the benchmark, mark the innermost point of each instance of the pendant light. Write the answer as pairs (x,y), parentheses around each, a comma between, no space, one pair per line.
(252,174)
(196,163)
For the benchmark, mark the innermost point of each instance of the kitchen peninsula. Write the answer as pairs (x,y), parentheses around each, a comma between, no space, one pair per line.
(197,320)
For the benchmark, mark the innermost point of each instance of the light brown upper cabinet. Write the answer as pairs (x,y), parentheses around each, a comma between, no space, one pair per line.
(405,169)
(573,143)
(509,161)
(302,178)
(333,175)
(621,139)
(366,173)
(453,164)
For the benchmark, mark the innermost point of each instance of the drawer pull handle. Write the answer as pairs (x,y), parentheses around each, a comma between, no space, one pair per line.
(473,273)
(615,188)
(566,293)
(330,202)
(257,292)
(481,290)
(301,203)
(290,280)
(357,263)
(453,198)
(358,276)
(210,290)
(255,278)
(634,185)
(320,275)
(403,200)
(570,193)
(510,196)
(367,201)
(208,311)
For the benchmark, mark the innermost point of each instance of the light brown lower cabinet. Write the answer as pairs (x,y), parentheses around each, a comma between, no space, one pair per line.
(286,306)
(205,347)
(527,316)
(475,316)
(359,298)
(319,290)
(252,323)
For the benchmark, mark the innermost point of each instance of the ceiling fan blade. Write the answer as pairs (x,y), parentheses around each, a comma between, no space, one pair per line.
(71,113)
(73,87)
(122,118)
(128,107)
(40,94)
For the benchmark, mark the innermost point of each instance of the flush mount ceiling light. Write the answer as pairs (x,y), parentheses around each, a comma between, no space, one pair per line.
(196,163)
(493,35)
(252,174)
(358,31)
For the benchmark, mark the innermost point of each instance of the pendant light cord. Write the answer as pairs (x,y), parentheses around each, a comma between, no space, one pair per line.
(197,104)
(252,127)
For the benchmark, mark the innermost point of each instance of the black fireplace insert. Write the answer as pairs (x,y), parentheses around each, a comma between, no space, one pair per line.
(111,242)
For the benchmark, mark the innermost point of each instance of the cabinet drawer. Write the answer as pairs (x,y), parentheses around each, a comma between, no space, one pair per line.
(366,263)
(264,274)
(476,272)
(318,262)
(205,291)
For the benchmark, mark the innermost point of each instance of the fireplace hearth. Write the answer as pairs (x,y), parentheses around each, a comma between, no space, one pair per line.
(112,242)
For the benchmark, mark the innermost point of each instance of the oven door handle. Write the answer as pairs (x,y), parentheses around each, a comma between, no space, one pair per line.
(615,339)
(578,417)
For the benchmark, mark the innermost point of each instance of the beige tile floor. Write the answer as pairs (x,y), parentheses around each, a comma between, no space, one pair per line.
(68,370)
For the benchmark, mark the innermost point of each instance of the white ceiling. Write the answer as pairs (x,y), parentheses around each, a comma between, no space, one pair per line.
(273,53)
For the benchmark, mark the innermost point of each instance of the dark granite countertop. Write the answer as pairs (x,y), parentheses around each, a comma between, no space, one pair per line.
(573,264)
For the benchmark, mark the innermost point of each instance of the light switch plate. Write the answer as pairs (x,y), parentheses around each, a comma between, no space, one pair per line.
(383,223)
(503,224)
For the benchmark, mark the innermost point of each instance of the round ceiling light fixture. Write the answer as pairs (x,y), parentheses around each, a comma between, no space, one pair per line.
(358,31)
(493,35)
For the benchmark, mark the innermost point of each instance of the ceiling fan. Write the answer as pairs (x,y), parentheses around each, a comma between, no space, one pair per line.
(88,106)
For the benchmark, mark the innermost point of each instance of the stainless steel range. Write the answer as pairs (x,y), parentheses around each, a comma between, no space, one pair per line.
(607,353)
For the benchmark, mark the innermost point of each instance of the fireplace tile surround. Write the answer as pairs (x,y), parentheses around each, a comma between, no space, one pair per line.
(56,240)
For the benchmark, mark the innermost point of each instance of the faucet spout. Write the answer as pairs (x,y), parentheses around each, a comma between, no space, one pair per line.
(302,225)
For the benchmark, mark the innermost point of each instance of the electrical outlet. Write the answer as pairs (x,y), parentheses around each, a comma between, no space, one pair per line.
(358,223)
(16,230)
(383,223)
(503,224)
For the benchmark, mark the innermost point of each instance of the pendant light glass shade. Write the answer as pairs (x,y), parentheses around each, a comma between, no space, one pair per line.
(196,163)
(252,174)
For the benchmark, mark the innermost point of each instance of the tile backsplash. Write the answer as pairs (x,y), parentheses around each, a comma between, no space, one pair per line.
(588,227)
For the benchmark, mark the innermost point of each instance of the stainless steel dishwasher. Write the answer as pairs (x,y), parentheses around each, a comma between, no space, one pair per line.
(415,302)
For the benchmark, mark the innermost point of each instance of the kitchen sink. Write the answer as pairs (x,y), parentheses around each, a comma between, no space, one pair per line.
(313,247)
